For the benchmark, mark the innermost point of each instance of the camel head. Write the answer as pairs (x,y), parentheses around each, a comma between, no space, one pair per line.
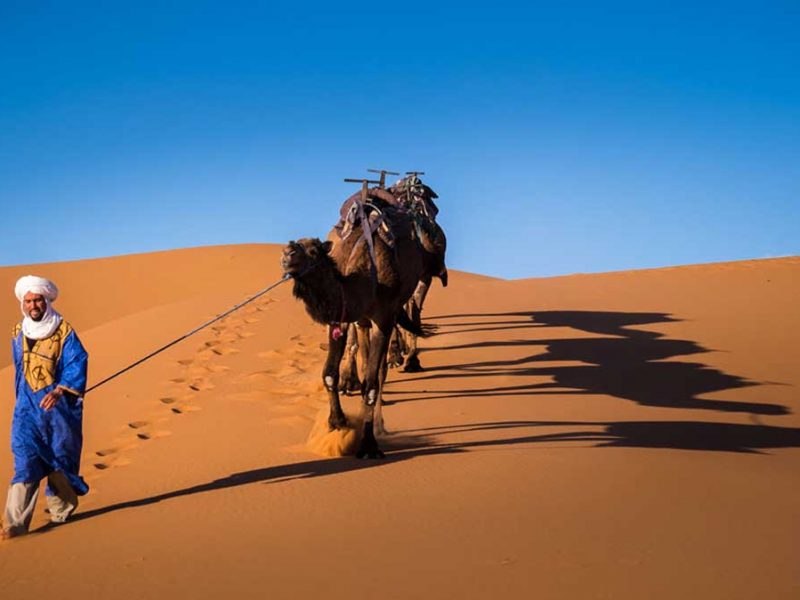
(303,255)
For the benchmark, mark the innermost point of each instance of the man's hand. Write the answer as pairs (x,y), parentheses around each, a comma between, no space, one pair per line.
(51,399)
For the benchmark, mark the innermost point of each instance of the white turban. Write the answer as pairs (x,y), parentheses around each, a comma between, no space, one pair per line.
(35,285)
(47,325)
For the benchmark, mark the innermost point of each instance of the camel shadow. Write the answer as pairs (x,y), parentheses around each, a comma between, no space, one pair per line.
(625,363)
(622,362)
(666,435)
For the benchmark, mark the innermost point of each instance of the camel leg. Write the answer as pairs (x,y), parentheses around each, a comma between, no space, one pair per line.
(415,313)
(349,382)
(394,357)
(380,429)
(330,379)
(363,331)
(379,343)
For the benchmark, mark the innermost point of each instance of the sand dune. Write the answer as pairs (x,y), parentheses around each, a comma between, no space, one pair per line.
(623,435)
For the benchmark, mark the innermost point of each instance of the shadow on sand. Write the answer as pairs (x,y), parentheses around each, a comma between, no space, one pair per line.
(625,363)
(675,435)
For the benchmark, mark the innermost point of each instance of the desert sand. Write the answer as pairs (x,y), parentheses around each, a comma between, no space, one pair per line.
(623,435)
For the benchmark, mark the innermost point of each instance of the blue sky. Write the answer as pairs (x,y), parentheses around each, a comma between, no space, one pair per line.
(561,139)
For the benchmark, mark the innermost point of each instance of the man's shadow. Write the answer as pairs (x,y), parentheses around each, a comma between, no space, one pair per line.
(625,363)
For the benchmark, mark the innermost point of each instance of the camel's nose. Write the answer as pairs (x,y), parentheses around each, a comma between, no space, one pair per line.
(286,259)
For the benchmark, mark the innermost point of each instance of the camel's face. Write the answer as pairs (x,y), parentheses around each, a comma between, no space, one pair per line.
(303,255)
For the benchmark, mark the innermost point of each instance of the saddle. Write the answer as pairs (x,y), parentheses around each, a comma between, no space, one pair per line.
(383,214)
(417,198)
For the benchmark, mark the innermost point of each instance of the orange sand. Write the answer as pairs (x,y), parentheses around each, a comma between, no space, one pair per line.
(625,435)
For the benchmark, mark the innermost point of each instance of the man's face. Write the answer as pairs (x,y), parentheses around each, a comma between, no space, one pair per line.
(34,305)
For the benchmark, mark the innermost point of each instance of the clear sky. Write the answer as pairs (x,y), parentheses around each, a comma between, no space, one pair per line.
(562,137)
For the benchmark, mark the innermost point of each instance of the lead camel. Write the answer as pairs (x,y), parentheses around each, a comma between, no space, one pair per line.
(342,281)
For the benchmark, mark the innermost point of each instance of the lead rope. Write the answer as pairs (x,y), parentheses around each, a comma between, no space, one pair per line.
(269,288)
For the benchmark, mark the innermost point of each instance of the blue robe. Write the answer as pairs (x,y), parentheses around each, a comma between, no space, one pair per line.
(43,442)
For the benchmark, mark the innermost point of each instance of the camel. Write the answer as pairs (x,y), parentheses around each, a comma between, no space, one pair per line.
(416,198)
(339,283)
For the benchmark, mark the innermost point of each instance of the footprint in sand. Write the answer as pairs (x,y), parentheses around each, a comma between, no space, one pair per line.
(185,362)
(299,340)
(146,435)
(176,407)
(178,380)
(184,408)
(261,374)
(137,425)
(220,351)
(111,461)
(199,385)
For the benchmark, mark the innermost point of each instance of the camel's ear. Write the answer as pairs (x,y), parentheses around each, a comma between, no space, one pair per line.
(326,246)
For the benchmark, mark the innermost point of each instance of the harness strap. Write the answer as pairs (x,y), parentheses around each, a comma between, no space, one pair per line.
(366,232)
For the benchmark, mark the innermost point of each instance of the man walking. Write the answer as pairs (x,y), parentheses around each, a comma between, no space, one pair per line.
(46,433)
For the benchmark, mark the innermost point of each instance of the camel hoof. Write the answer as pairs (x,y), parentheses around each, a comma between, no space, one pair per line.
(372,453)
(395,358)
(350,388)
(337,423)
(413,365)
